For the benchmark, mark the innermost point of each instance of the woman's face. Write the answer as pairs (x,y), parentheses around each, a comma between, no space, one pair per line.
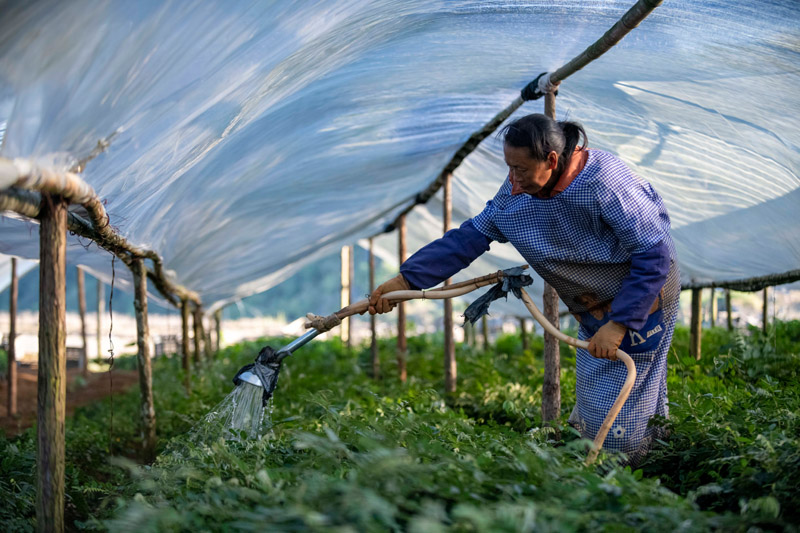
(527,174)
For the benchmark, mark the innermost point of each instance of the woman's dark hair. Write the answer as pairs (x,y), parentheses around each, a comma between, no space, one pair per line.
(541,135)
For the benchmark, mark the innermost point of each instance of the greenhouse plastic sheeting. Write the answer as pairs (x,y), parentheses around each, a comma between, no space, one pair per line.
(253,137)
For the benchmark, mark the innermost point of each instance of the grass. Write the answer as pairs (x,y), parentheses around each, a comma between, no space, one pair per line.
(349,453)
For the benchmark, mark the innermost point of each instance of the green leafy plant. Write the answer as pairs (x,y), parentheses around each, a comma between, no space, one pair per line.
(346,452)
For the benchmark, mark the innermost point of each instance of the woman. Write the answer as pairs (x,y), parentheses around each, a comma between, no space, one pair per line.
(600,236)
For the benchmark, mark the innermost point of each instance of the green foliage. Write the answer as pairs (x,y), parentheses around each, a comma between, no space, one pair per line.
(735,442)
(349,453)
(3,362)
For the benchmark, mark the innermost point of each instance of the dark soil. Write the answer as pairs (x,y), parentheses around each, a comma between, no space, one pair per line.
(79,393)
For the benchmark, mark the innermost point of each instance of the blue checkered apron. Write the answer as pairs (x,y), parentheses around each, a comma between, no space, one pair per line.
(580,241)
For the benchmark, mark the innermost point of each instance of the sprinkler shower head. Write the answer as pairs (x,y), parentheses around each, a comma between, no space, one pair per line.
(264,371)
(249,377)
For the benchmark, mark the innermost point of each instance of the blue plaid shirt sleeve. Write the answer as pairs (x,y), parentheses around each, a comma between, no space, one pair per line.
(439,260)
(640,288)
(484,221)
(633,210)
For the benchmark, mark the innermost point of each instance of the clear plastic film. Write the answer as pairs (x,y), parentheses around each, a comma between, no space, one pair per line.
(255,137)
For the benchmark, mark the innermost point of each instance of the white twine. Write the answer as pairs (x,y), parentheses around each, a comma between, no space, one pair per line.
(545,86)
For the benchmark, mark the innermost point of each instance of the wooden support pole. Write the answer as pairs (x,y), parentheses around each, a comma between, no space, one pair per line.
(485,332)
(523,332)
(696,330)
(12,335)
(207,346)
(469,334)
(218,328)
(344,296)
(52,383)
(187,367)
(101,304)
(450,369)
(551,386)
(148,413)
(729,309)
(765,311)
(197,323)
(351,276)
(84,363)
(373,322)
(402,345)
(713,308)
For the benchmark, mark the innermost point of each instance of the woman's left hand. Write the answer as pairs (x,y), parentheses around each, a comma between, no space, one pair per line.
(605,342)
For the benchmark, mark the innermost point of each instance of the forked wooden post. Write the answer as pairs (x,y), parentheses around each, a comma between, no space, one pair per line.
(148,413)
(728,309)
(82,311)
(373,347)
(765,311)
(12,335)
(713,308)
(450,369)
(218,328)
(696,330)
(101,304)
(51,384)
(187,366)
(402,346)
(344,295)
(551,386)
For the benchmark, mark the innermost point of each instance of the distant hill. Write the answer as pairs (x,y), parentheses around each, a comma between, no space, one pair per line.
(314,288)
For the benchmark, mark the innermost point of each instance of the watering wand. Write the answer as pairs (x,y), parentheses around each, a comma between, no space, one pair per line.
(264,371)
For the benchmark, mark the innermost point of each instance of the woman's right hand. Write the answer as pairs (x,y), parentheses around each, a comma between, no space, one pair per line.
(380,305)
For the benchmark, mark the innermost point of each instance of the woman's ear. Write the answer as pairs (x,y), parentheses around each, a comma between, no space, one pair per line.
(552,160)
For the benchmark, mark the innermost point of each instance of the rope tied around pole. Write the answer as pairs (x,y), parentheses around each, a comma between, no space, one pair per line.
(540,86)
(322,323)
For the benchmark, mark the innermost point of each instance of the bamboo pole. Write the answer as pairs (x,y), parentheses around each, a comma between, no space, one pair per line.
(84,363)
(187,367)
(52,370)
(523,332)
(30,181)
(748,284)
(101,304)
(402,345)
(713,308)
(344,294)
(450,368)
(373,322)
(765,311)
(148,413)
(632,18)
(218,328)
(12,335)
(729,309)
(551,386)
(696,331)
